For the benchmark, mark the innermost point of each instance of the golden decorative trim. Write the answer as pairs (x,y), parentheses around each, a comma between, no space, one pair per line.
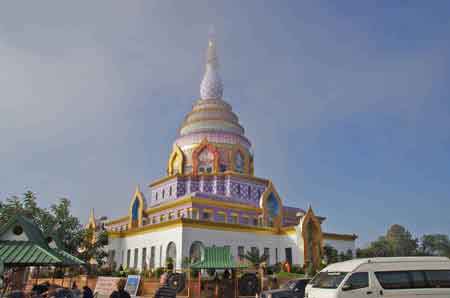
(215,109)
(218,145)
(235,124)
(176,154)
(122,219)
(92,224)
(198,224)
(334,236)
(137,196)
(165,206)
(289,230)
(225,174)
(164,179)
(205,145)
(146,229)
(263,205)
(317,238)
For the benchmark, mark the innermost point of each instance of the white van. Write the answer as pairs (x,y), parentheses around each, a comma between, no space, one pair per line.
(383,277)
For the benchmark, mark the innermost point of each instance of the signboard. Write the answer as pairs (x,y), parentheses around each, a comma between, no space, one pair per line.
(106,285)
(132,285)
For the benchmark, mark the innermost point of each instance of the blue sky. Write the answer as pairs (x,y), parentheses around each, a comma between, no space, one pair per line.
(346,103)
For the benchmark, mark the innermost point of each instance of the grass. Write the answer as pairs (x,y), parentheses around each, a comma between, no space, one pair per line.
(283,275)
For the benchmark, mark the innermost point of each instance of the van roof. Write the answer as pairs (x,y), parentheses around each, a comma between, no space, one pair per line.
(350,265)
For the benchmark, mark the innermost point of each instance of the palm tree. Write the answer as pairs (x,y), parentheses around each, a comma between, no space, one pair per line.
(254,258)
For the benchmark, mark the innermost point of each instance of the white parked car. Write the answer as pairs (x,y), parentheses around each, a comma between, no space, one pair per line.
(402,277)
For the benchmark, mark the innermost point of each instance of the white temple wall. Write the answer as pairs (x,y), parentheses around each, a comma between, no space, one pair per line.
(184,237)
(158,239)
(248,240)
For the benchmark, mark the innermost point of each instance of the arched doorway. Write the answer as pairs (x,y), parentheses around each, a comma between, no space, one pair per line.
(196,251)
(171,252)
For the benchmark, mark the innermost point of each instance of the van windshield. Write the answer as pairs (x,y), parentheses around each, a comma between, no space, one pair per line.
(328,280)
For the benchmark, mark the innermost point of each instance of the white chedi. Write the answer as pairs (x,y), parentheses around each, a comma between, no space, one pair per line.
(211,86)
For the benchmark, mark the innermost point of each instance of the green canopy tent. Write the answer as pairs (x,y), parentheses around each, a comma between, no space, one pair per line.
(217,258)
(22,244)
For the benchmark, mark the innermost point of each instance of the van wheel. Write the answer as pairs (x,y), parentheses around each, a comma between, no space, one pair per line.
(177,281)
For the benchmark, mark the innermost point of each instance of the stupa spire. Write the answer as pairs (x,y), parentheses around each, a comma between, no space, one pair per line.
(211,86)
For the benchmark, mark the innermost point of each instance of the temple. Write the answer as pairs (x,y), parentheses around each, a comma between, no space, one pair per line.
(211,197)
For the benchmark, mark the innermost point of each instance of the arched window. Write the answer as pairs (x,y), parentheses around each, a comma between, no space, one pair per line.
(205,161)
(239,162)
(171,252)
(196,251)
(273,208)
(135,210)
(163,193)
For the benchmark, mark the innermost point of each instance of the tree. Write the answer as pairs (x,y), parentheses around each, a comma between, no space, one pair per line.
(345,256)
(330,254)
(56,222)
(397,242)
(25,206)
(66,227)
(91,246)
(435,245)
(254,258)
(403,244)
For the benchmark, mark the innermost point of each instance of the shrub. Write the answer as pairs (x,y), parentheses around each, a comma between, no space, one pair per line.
(159,271)
(118,274)
(147,273)
(297,269)
(132,271)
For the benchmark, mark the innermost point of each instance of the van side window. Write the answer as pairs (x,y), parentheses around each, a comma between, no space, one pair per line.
(418,279)
(358,280)
(392,280)
(438,278)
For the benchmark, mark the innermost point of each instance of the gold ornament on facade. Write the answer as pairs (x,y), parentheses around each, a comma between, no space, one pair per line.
(205,145)
(176,161)
(235,150)
(311,232)
(140,197)
(268,219)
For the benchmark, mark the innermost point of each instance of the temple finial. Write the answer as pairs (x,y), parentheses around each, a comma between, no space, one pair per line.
(211,86)
(92,224)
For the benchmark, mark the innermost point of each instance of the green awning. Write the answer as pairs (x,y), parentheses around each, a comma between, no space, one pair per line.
(24,253)
(216,258)
(33,248)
